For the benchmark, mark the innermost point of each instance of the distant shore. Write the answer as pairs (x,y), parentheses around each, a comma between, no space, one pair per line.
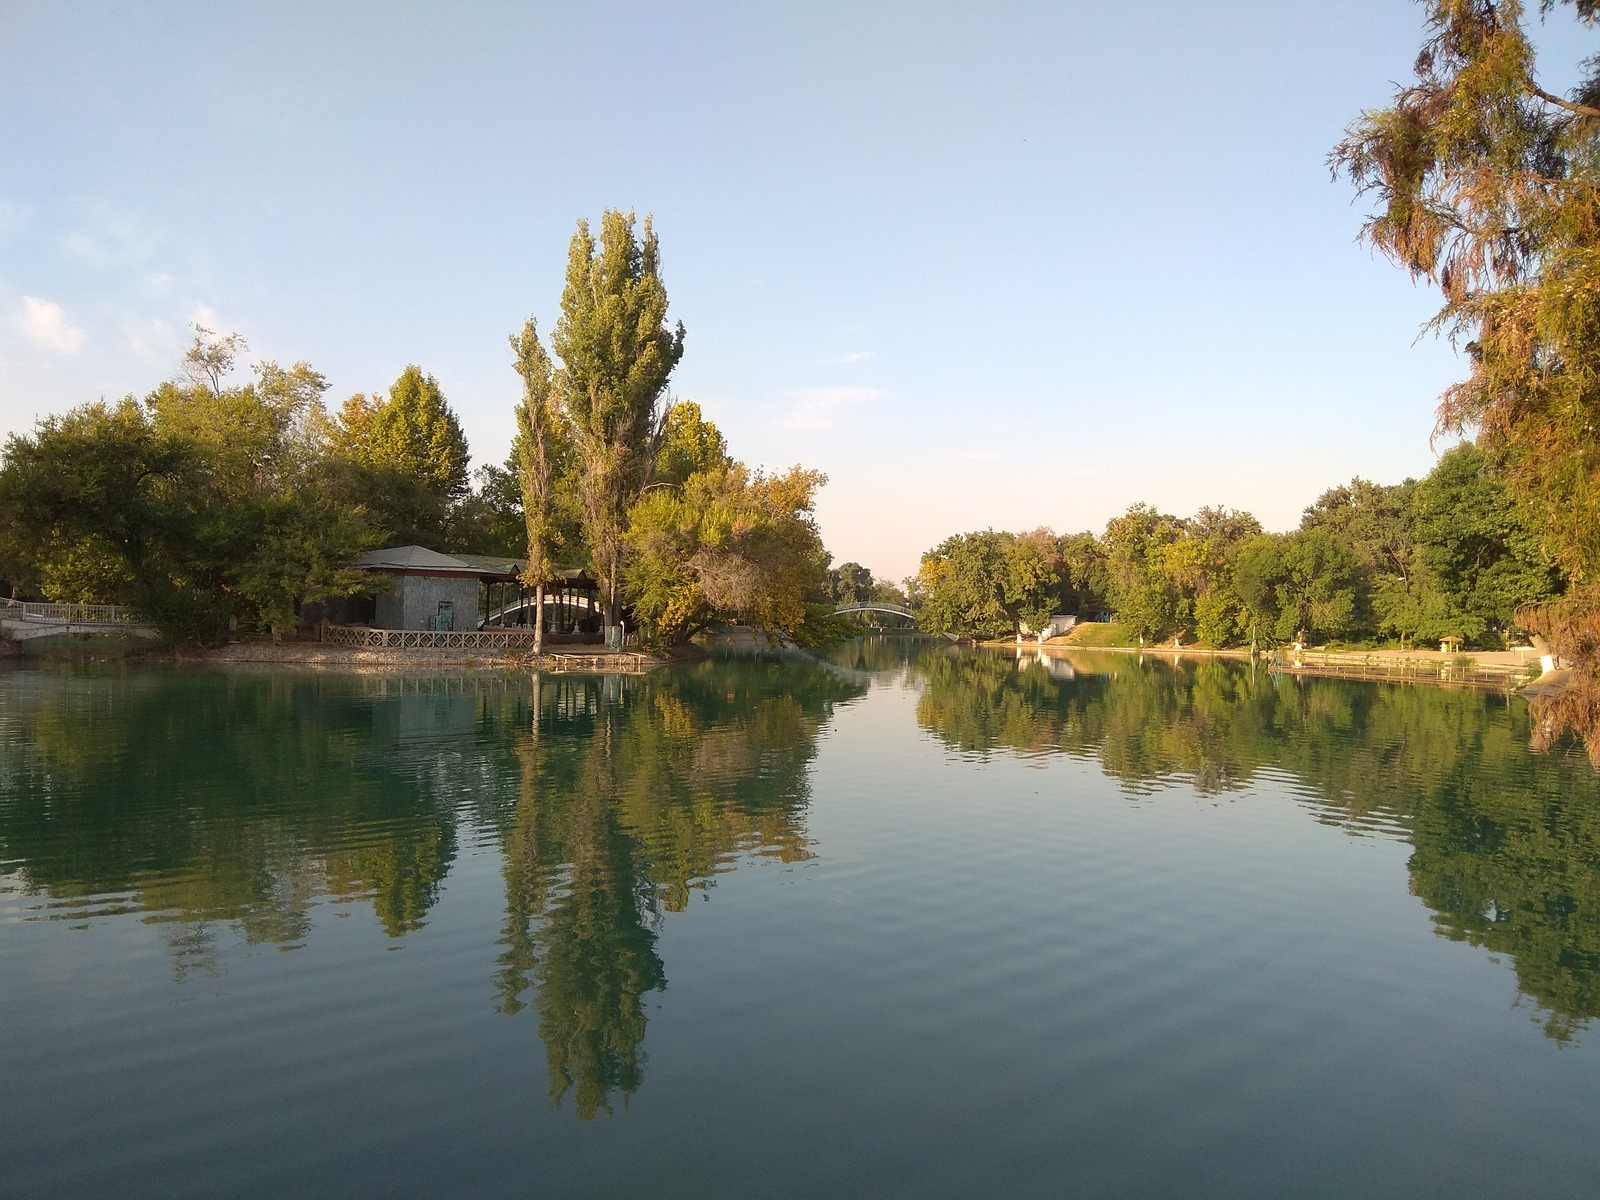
(1496,669)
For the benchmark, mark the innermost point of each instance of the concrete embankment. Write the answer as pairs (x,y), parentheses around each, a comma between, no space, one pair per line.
(342,658)
(1500,670)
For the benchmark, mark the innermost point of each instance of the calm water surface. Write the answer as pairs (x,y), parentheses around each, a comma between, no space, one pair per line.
(911,921)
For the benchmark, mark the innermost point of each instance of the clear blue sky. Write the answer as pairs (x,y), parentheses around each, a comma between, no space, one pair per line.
(984,264)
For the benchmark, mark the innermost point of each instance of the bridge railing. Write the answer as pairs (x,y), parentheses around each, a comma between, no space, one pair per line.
(70,614)
(872,606)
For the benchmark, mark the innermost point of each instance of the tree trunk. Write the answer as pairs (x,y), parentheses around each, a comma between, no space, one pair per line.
(538,620)
(613,603)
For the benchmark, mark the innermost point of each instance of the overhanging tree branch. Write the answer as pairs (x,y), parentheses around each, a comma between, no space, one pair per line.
(1583,110)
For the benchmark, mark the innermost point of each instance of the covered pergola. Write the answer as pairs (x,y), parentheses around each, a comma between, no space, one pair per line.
(572,608)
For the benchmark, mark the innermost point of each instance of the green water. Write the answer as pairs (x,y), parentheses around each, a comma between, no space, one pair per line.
(909,921)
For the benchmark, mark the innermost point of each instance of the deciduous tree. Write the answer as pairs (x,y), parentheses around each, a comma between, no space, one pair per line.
(616,354)
(536,418)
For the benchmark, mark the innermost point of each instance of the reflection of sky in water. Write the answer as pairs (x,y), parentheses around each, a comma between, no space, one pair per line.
(940,925)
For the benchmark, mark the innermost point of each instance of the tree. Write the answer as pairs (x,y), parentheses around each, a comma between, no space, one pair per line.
(617,355)
(689,444)
(1488,187)
(962,581)
(100,505)
(536,416)
(276,528)
(1475,549)
(728,545)
(1032,587)
(850,583)
(488,520)
(403,457)
(417,435)
(304,553)
(1087,581)
(1142,593)
(1377,522)
(1199,563)
(990,584)
(1373,518)
(204,503)
(210,359)
(1299,583)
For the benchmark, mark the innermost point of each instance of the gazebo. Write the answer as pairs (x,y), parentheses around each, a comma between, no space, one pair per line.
(571,599)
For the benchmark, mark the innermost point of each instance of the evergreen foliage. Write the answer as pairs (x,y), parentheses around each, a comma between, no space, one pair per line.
(416,435)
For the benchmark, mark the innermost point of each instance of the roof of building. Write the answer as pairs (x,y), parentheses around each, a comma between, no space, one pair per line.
(419,560)
(413,560)
(494,564)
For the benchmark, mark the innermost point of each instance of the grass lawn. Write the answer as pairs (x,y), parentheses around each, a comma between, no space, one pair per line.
(1099,633)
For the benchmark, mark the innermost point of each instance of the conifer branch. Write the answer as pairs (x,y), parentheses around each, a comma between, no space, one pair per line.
(1583,110)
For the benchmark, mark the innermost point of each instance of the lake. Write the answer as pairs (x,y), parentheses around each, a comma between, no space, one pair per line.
(907,920)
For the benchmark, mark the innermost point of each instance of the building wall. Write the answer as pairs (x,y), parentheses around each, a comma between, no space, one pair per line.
(414,600)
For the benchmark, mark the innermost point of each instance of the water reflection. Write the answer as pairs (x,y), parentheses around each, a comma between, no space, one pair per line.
(1507,843)
(228,808)
(200,800)
(216,804)
(634,796)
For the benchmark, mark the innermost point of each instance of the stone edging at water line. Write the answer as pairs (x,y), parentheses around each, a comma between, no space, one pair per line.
(312,654)
(1381,666)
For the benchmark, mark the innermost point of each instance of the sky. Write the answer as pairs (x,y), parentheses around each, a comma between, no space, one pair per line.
(993,265)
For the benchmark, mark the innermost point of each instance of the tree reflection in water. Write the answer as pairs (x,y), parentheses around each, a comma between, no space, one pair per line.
(202,799)
(634,795)
(1507,843)
(207,801)
(239,803)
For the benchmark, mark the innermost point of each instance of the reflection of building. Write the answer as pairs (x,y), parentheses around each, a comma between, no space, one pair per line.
(430,590)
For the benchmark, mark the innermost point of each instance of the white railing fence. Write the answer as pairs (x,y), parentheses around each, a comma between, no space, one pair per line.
(427,639)
(70,614)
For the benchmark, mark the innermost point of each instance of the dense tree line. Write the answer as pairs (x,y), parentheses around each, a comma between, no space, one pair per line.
(209,502)
(206,502)
(1450,555)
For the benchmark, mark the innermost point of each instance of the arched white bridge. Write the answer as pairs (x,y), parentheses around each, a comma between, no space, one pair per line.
(21,621)
(874,606)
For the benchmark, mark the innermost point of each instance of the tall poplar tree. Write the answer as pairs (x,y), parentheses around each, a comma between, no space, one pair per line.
(535,418)
(617,354)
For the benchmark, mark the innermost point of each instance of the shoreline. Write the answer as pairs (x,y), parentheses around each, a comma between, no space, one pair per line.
(319,656)
(1494,670)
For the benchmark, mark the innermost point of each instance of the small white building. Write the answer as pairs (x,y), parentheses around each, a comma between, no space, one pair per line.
(1059,626)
